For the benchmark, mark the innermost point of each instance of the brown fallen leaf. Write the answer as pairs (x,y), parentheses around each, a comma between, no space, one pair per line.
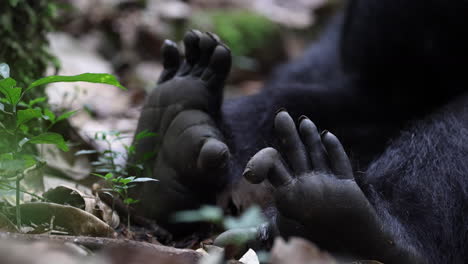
(66,195)
(73,220)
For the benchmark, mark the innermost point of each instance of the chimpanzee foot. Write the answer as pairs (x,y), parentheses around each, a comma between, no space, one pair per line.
(314,188)
(183,110)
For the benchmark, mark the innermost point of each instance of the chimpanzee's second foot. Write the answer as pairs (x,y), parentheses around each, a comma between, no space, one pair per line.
(316,194)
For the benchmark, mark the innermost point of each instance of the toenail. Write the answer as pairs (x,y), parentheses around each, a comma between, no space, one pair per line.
(195,31)
(247,173)
(302,118)
(282,109)
(324,133)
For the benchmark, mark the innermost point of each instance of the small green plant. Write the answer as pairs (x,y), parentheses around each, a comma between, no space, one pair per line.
(119,176)
(250,226)
(251,218)
(23,124)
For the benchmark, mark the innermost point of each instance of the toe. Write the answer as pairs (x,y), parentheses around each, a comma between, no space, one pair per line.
(192,51)
(171,60)
(267,164)
(339,161)
(313,143)
(290,143)
(214,36)
(218,68)
(214,154)
(207,45)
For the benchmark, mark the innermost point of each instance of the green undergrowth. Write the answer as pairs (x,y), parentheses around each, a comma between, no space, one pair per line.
(119,178)
(25,123)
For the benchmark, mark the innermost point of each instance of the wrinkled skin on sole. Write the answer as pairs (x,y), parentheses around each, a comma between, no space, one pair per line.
(190,153)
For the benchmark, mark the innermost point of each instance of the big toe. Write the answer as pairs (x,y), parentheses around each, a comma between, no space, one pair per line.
(214,154)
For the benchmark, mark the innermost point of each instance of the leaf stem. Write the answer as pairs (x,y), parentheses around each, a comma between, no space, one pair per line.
(19,177)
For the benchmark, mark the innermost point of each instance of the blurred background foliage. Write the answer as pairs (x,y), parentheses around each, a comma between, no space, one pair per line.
(24,46)
(261,33)
(129,33)
(242,30)
(23,29)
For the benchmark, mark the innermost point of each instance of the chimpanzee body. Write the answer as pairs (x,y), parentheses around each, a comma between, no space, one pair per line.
(386,78)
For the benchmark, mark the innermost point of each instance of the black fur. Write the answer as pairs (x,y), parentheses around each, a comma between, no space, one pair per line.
(420,184)
(388,79)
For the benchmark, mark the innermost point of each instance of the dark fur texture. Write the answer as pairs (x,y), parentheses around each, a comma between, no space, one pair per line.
(388,79)
(420,184)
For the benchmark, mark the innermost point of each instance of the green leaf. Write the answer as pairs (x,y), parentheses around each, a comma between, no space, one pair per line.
(124,181)
(4,70)
(238,237)
(52,10)
(148,155)
(49,115)
(130,149)
(24,128)
(12,93)
(66,115)
(6,156)
(114,133)
(26,115)
(98,175)
(85,152)
(23,104)
(144,134)
(129,201)
(103,170)
(14,3)
(252,217)
(29,160)
(50,138)
(85,77)
(143,179)
(12,166)
(22,142)
(205,213)
(37,100)
(108,176)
